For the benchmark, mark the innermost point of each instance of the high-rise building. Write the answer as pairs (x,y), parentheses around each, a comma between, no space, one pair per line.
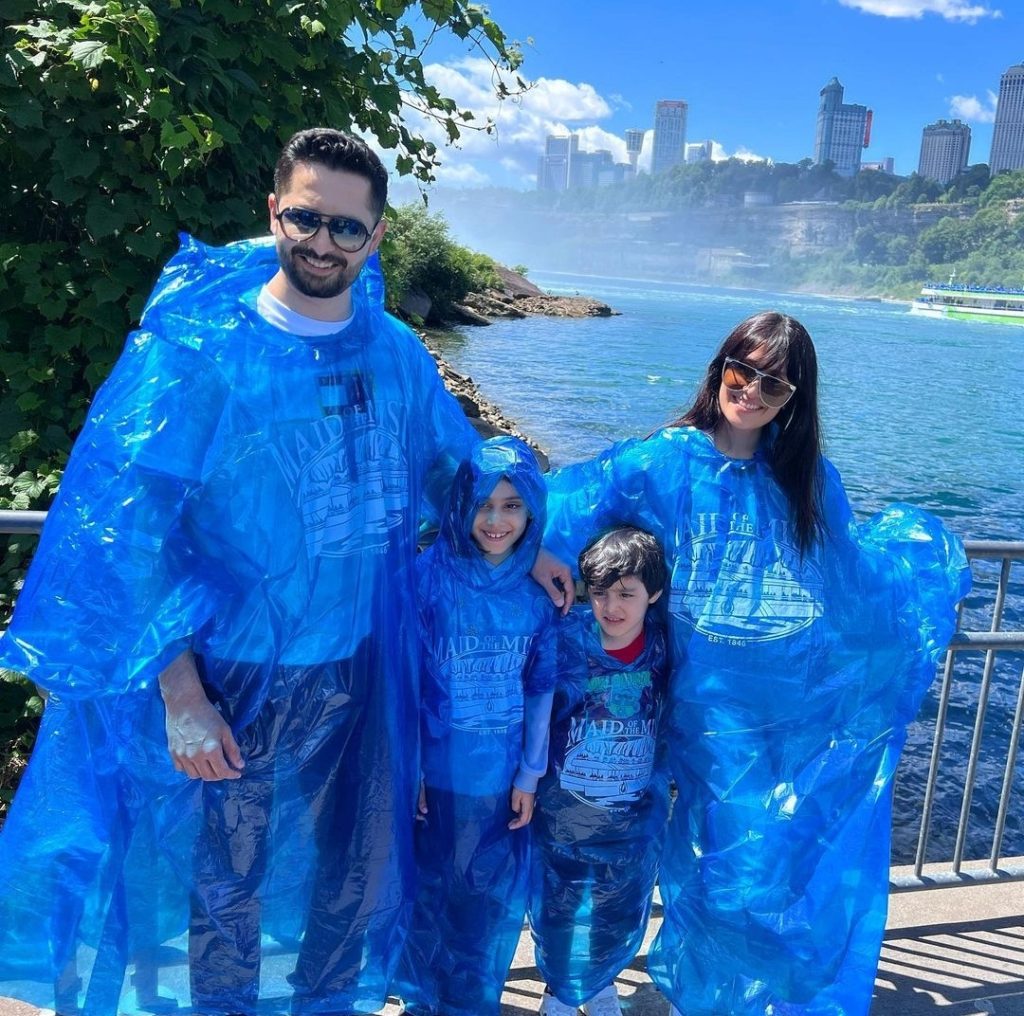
(669,135)
(634,145)
(564,167)
(843,129)
(699,151)
(886,165)
(945,146)
(1008,133)
(556,162)
(590,169)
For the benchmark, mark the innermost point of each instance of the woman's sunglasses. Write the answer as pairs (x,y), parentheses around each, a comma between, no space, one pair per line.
(773,392)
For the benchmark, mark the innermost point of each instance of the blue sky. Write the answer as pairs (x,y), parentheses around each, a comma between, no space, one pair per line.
(751,71)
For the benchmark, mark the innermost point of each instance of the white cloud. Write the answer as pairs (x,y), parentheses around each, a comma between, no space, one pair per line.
(643,162)
(970,107)
(594,139)
(557,98)
(719,154)
(466,175)
(951,10)
(509,154)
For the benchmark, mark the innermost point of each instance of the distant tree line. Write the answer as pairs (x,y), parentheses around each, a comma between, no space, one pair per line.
(980,237)
(707,184)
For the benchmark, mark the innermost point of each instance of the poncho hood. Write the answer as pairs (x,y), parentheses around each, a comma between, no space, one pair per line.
(494,460)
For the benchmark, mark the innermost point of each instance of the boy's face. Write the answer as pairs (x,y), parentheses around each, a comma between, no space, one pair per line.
(620,610)
(500,520)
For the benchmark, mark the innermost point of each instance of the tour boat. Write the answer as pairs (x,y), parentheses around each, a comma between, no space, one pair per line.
(970,303)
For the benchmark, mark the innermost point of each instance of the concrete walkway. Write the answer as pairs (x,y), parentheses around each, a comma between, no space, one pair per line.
(955,952)
(947,952)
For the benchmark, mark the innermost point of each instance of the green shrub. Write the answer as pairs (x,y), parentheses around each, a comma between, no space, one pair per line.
(420,256)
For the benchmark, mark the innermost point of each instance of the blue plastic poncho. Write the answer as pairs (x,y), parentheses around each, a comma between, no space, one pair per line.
(487,686)
(601,811)
(256,496)
(793,681)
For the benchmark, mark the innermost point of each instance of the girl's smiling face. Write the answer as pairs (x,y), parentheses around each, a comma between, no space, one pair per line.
(501,518)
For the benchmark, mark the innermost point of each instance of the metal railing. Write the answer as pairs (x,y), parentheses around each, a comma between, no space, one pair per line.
(12,522)
(957,871)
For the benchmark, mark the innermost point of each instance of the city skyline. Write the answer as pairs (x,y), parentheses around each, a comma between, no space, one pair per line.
(751,77)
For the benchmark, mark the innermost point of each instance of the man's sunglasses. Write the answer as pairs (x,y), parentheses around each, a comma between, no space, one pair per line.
(349,235)
(773,392)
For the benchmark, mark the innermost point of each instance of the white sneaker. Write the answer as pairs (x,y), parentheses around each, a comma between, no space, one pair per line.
(604,1003)
(550,1006)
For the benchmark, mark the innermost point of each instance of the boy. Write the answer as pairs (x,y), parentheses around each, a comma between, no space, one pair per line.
(602,808)
(488,679)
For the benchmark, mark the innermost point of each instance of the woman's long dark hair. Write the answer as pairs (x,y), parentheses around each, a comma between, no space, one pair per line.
(794,448)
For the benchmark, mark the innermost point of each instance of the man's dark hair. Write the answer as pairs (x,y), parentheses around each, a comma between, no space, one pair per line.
(324,146)
(618,553)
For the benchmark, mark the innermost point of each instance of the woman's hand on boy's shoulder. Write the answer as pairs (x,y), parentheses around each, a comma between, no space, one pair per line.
(555,577)
(522,804)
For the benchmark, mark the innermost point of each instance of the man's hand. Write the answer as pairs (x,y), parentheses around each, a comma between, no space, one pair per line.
(522,805)
(421,804)
(546,570)
(200,743)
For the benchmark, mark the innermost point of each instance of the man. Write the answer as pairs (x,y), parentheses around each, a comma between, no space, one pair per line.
(237,526)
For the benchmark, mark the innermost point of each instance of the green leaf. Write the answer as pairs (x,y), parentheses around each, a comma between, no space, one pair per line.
(438,11)
(148,21)
(89,54)
(102,220)
(22,440)
(25,111)
(108,290)
(75,161)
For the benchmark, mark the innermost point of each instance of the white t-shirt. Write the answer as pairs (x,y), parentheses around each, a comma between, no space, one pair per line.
(275,313)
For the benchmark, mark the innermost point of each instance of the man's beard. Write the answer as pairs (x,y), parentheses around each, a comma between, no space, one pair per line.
(316,286)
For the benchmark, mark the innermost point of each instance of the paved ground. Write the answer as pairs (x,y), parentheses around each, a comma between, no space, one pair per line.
(947,952)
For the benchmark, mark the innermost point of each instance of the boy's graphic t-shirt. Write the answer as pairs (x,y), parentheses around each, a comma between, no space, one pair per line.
(605,732)
(609,749)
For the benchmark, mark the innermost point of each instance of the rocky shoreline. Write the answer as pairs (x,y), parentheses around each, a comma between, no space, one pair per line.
(516,298)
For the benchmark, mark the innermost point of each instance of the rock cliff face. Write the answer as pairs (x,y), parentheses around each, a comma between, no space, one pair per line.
(690,245)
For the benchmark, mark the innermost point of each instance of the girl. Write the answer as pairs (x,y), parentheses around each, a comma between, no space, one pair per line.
(488,678)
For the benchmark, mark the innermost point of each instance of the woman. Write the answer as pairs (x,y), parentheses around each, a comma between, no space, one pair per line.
(801,645)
